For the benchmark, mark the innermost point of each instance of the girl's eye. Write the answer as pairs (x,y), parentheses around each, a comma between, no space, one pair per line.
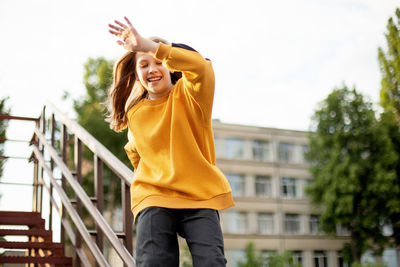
(143,66)
(159,63)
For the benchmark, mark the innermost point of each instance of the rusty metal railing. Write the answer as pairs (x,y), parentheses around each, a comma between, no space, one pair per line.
(51,143)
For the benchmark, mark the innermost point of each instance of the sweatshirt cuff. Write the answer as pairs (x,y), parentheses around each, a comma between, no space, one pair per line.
(162,51)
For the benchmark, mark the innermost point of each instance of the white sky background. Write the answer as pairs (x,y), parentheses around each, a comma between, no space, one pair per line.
(274,60)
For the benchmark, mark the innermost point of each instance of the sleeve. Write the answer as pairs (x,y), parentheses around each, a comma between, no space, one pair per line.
(197,72)
(131,152)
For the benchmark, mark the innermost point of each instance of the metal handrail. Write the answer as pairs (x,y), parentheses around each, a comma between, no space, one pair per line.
(95,146)
(46,156)
(64,199)
(120,249)
(71,211)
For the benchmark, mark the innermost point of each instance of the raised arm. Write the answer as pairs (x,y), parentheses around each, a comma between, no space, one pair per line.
(198,75)
(130,39)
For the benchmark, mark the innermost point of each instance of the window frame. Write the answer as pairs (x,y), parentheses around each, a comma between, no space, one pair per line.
(229,144)
(291,219)
(268,219)
(234,183)
(286,152)
(261,150)
(288,186)
(238,222)
(265,182)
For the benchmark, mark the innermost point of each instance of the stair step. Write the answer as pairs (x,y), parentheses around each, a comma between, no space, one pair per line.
(28,259)
(30,221)
(30,232)
(30,245)
(6,213)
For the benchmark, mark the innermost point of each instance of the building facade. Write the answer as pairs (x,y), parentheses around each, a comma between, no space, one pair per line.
(268,175)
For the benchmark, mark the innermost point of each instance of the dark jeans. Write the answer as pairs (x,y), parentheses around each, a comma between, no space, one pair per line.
(157,242)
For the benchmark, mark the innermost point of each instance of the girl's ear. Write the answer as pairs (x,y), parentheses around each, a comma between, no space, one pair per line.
(171,71)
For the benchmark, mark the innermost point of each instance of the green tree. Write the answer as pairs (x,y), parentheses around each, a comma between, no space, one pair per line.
(392,127)
(186,257)
(389,61)
(252,257)
(91,109)
(352,162)
(91,113)
(284,259)
(3,127)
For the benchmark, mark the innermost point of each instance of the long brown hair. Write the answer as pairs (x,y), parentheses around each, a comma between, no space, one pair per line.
(126,91)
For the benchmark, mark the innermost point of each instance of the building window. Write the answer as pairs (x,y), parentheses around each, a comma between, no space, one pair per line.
(288,187)
(390,257)
(266,254)
(292,224)
(387,230)
(298,258)
(314,224)
(263,186)
(236,182)
(219,152)
(342,230)
(261,150)
(341,261)
(286,152)
(368,257)
(237,222)
(320,259)
(304,150)
(235,256)
(265,223)
(234,148)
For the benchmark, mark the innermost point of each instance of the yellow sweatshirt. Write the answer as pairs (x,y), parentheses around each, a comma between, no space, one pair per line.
(171,143)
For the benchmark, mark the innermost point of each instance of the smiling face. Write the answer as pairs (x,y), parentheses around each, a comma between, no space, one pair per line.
(152,74)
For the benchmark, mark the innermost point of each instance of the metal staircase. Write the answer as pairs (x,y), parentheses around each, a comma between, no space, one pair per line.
(57,156)
(39,248)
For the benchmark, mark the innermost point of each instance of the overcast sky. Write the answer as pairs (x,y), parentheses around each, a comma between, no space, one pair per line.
(274,60)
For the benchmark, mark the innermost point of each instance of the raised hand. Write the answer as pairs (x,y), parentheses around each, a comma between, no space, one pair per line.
(130,39)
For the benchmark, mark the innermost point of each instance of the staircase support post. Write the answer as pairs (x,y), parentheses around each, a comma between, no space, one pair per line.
(78,169)
(63,147)
(53,144)
(99,195)
(127,216)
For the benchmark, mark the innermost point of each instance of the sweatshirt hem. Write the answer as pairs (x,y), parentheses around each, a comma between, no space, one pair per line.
(219,202)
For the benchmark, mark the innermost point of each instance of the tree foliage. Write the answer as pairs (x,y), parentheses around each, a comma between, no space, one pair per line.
(3,128)
(186,257)
(91,114)
(390,101)
(389,62)
(252,258)
(284,259)
(353,162)
(91,109)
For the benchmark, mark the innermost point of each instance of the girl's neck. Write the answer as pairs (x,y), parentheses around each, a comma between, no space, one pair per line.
(151,96)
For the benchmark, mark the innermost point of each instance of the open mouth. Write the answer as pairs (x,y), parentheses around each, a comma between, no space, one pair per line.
(154,79)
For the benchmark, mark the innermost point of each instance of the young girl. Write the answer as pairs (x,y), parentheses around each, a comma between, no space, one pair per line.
(177,189)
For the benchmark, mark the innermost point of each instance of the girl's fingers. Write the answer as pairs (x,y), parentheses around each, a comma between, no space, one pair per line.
(115,27)
(129,23)
(134,31)
(115,33)
(120,24)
